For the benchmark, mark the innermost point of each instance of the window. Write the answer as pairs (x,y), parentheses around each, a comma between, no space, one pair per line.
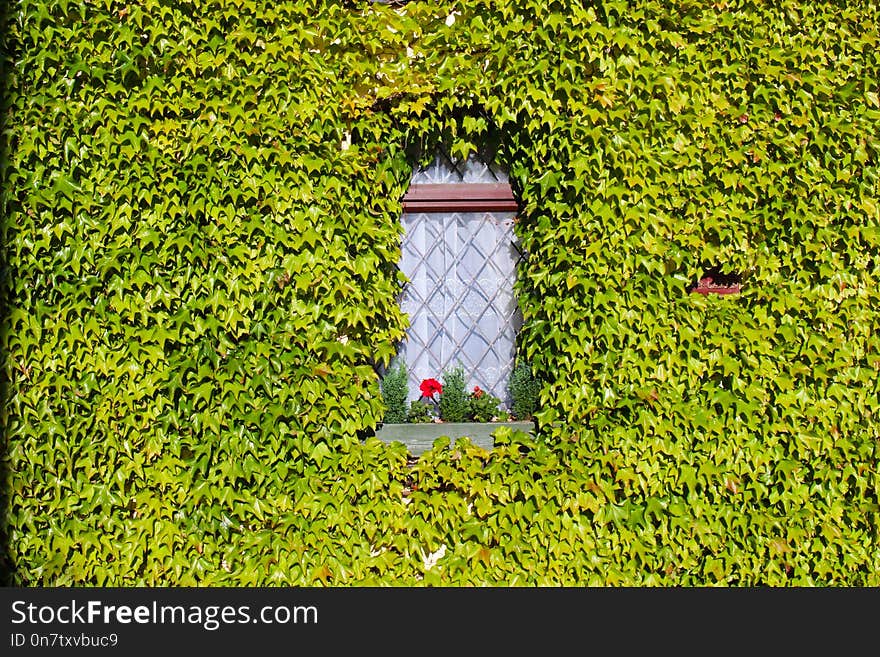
(460,255)
(714,281)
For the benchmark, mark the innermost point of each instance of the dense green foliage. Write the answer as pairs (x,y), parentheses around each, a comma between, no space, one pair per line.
(525,391)
(453,401)
(200,239)
(395,389)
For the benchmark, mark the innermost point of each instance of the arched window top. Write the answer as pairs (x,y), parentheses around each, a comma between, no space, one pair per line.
(444,170)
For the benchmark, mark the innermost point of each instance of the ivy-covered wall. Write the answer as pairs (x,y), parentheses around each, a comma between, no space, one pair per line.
(201,202)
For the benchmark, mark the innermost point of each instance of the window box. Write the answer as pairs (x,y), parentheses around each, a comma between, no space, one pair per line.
(420,437)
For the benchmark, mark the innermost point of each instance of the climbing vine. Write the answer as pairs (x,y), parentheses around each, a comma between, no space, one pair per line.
(201,203)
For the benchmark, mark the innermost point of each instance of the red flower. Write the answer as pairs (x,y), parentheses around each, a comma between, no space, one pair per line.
(478,392)
(430,386)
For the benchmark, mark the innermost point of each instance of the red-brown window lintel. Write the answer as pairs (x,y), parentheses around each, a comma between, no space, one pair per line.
(460,197)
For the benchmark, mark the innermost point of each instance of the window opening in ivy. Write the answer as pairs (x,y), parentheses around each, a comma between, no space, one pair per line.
(713,281)
(459,253)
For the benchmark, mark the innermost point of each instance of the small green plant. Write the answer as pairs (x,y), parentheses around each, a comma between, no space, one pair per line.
(524,391)
(394,392)
(454,398)
(420,411)
(483,406)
